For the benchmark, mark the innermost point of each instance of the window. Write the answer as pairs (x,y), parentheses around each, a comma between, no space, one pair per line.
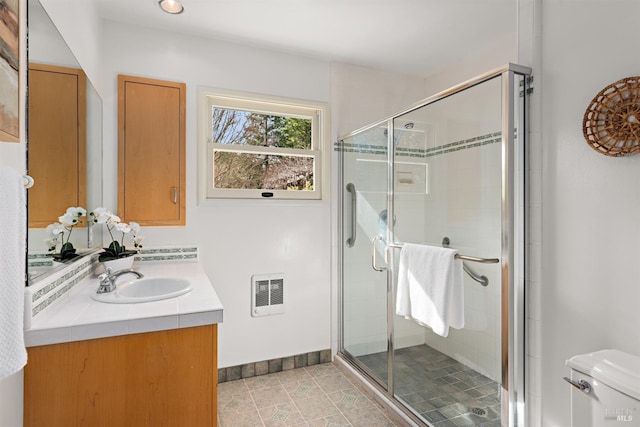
(261,147)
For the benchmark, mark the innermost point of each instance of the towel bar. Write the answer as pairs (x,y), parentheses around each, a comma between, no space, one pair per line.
(460,256)
(28,181)
(483,280)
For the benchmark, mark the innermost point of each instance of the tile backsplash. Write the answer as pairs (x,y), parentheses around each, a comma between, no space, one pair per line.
(169,253)
(44,292)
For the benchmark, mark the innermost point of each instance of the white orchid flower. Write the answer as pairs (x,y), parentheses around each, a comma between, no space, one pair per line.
(55,233)
(76,211)
(113,222)
(51,244)
(104,216)
(100,215)
(68,220)
(72,216)
(53,230)
(123,227)
(112,219)
(135,227)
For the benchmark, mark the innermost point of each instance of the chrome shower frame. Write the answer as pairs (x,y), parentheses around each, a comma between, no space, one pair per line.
(513,244)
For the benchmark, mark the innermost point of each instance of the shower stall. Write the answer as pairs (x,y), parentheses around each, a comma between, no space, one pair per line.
(448,171)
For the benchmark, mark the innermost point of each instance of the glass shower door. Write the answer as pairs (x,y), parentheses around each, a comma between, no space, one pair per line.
(449,173)
(364,291)
(447,192)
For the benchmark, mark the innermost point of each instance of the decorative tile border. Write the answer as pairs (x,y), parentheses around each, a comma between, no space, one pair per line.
(348,147)
(169,253)
(45,292)
(40,259)
(264,367)
(51,291)
(464,144)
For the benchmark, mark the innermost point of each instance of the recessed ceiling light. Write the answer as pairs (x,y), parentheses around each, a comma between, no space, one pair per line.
(171,6)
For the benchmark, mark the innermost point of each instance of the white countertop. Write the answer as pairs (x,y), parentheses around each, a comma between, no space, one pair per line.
(76,316)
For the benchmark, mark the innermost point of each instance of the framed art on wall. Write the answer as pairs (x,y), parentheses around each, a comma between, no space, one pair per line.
(9,71)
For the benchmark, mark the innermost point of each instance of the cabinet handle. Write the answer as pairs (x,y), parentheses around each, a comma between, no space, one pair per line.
(175,195)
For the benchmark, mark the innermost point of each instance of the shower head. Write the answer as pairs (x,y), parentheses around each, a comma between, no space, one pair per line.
(396,137)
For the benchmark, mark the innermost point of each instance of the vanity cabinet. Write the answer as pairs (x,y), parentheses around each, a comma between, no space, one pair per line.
(57,142)
(151,151)
(164,378)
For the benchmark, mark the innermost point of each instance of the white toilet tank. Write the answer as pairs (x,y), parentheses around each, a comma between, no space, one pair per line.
(606,389)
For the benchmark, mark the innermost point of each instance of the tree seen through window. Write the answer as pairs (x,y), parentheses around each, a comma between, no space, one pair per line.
(260,170)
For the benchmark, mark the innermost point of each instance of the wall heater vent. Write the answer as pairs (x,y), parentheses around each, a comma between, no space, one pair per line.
(267,294)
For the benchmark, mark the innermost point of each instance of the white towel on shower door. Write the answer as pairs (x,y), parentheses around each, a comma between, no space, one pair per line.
(13,354)
(430,289)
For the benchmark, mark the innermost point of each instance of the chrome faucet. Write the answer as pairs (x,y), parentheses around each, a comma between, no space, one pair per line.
(108,279)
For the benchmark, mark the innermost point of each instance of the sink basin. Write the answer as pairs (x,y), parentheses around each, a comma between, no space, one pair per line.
(145,290)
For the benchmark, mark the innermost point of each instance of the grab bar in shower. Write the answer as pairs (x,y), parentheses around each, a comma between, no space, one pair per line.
(354,214)
(483,280)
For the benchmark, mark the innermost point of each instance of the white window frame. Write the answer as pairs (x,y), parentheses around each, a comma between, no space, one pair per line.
(264,104)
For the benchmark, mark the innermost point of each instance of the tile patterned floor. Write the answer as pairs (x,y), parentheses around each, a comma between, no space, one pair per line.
(443,391)
(313,396)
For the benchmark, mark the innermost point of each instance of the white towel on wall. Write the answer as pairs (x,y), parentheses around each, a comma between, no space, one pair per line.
(430,289)
(13,355)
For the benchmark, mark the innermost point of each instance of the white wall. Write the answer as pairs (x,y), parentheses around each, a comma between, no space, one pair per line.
(236,238)
(81,27)
(361,96)
(46,45)
(590,205)
(502,51)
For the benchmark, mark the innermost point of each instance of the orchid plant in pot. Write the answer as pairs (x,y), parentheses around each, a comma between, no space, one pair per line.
(116,255)
(60,232)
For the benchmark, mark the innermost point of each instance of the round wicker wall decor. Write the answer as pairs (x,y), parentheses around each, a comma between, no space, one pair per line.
(611,124)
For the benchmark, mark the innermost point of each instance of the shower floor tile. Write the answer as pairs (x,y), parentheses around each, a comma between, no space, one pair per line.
(442,390)
(313,396)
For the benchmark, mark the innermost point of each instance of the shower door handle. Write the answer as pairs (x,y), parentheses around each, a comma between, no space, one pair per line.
(354,214)
(373,254)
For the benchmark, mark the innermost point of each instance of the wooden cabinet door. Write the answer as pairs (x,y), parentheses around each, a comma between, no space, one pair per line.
(151,151)
(57,142)
(163,378)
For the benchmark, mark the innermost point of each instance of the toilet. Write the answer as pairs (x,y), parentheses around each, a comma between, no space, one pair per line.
(605,389)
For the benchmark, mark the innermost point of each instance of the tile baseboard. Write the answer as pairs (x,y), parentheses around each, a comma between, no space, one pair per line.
(265,367)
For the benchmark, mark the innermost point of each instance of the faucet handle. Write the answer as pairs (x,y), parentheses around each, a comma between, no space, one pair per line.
(106,275)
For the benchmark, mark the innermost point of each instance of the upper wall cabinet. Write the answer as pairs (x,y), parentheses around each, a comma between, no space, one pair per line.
(57,142)
(151,151)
